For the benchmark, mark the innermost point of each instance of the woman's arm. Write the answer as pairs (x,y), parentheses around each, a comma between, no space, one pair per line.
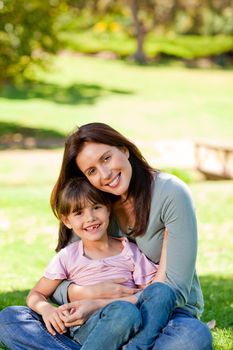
(179,217)
(161,273)
(37,300)
(111,289)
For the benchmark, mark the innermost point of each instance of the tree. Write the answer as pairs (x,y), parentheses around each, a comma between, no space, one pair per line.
(28,33)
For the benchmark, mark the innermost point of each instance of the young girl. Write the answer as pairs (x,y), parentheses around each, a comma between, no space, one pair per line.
(96,257)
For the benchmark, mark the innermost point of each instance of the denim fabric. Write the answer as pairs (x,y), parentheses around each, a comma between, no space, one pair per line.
(108,329)
(156,304)
(183,332)
(23,329)
(166,327)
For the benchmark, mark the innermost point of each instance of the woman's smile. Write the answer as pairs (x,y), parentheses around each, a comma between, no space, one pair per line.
(106,167)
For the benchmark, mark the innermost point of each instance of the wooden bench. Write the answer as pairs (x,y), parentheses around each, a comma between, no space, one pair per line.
(214,160)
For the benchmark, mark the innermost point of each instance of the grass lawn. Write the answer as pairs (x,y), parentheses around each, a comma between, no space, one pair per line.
(146,103)
(29,230)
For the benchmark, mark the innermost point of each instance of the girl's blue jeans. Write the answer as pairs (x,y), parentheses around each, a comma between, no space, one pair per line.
(163,327)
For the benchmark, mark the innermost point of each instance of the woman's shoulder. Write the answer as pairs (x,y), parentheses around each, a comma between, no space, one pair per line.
(166,183)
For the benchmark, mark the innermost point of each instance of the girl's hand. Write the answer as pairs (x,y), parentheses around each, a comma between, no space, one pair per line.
(111,289)
(52,320)
(77,312)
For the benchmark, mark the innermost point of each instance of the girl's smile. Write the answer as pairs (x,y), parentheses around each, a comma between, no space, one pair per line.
(89,222)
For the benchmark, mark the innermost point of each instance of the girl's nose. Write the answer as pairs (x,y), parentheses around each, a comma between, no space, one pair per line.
(90,216)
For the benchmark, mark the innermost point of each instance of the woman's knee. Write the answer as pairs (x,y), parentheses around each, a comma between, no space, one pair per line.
(183,334)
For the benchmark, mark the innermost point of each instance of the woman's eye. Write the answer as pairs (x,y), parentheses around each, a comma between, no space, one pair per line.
(106,158)
(91,172)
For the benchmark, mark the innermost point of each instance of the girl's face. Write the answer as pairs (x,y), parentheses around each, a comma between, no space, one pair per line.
(90,222)
(106,167)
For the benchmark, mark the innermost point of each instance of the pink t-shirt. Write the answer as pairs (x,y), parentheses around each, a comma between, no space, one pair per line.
(71,264)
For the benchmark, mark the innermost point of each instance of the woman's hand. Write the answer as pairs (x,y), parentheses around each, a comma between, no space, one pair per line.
(111,289)
(77,312)
(52,320)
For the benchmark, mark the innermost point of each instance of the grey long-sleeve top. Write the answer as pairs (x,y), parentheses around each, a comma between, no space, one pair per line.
(172,207)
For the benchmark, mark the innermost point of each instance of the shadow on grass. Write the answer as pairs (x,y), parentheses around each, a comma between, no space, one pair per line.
(218,300)
(217,293)
(17,297)
(17,136)
(72,94)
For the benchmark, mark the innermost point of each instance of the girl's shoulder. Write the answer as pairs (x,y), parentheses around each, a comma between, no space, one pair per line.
(71,248)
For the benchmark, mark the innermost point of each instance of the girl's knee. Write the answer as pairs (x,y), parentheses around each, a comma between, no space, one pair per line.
(159,290)
(125,313)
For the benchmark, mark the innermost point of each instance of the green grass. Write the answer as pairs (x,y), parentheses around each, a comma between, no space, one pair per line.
(29,232)
(186,46)
(148,103)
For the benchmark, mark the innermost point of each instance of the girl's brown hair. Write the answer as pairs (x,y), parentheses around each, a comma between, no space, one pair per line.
(74,196)
(140,184)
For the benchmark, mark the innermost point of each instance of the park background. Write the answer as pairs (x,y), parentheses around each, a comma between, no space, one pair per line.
(158,71)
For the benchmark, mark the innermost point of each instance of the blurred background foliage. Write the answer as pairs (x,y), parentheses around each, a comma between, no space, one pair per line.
(144,30)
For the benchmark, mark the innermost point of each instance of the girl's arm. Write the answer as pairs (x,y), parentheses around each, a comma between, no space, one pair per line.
(37,300)
(77,312)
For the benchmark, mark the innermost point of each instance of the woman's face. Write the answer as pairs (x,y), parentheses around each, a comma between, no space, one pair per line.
(106,167)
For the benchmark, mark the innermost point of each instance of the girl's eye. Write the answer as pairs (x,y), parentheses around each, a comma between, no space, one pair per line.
(97,207)
(78,212)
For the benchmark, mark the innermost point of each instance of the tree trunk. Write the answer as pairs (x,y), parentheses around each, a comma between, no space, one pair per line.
(139,33)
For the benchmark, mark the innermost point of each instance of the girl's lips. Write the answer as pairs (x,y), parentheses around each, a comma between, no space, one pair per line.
(92,228)
(114,183)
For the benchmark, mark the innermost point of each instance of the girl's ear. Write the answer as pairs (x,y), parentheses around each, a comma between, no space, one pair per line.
(65,221)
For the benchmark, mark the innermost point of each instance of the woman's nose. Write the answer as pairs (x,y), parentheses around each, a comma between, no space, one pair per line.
(105,173)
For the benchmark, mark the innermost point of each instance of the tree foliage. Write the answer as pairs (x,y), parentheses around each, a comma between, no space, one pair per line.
(28,34)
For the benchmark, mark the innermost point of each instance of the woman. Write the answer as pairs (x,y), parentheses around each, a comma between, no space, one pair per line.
(145,202)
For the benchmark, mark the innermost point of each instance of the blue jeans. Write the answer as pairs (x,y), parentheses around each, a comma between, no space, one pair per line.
(165,327)
(181,331)
(109,328)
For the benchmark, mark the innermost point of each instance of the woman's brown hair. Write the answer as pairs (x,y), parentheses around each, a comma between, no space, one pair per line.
(140,184)
(74,196)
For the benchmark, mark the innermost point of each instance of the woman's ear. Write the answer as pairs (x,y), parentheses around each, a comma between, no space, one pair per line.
(65,221)
(126,151)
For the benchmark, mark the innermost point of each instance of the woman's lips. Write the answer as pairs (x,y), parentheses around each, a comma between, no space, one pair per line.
(114,183)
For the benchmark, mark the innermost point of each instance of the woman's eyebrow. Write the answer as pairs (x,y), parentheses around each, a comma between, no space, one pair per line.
(99,159)
(104,154)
